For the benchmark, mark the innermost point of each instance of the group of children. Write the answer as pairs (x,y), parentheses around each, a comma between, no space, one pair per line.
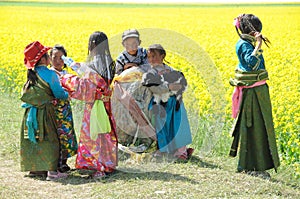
(98,141)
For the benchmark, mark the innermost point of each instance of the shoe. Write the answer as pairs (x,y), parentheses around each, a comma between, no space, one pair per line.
(57,176)
(186,157)
(260,174)
(34,174)
(265,175)
(99,175)
(189,151)
(64,168)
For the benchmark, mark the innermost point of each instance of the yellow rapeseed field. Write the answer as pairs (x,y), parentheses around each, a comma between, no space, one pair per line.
(210,27)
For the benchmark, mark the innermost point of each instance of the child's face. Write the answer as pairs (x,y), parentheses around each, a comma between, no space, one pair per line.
(131,45)
(56,60)
(154,58)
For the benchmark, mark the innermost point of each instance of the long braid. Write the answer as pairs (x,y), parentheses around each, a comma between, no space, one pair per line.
(31,79)
(238,32)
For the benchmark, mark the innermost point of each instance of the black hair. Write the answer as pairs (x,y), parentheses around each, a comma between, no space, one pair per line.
(250,23)
(160,52)
(31,74)
(96,39)
(60,48)
(43,56)
(31,77)
(98,47)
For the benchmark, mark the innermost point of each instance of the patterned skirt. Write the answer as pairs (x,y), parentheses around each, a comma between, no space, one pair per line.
(66,132)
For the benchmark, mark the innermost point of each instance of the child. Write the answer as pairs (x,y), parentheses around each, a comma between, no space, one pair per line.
(172,127)
(64,116)
(97,149)
(133,54)
(39,140)
(251,102)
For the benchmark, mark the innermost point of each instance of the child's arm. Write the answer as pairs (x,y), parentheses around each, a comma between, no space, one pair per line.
(180,83)
(129,65)
(258,38)
(119,66)
(121,63)
(71,63)
(250,55)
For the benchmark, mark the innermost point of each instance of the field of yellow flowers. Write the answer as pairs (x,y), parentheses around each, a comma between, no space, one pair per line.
(206,53)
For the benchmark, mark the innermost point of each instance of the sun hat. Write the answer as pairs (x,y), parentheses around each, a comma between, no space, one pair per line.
(130,33)
(33,52)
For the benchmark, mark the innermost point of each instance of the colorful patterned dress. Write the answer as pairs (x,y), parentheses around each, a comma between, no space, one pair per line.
(94,152)
(65,128)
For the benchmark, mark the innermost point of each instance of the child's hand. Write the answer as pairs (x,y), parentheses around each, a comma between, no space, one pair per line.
(129,65)
(67,60)
(175,86)
(258,37)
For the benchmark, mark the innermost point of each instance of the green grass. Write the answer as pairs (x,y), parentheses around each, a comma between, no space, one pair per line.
(211,176)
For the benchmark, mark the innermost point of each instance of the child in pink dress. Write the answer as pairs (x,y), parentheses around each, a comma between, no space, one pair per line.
(97,148)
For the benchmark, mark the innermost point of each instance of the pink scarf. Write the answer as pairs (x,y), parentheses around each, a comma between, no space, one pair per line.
(238,96)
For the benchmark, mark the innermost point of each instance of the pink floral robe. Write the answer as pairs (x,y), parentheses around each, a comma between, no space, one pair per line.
(99,154)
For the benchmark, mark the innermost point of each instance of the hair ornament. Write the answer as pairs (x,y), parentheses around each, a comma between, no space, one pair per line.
(237,20)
